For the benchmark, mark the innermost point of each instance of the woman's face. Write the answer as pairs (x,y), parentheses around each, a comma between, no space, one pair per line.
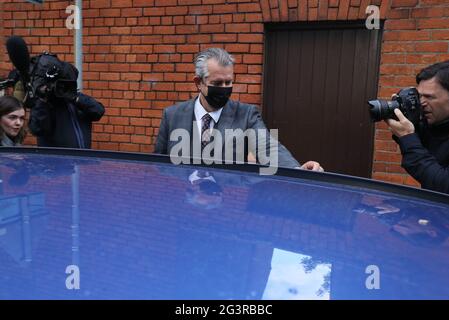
(11,123)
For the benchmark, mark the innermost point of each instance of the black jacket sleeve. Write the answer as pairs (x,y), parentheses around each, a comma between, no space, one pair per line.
(91,108)
(423,166)
(41,121)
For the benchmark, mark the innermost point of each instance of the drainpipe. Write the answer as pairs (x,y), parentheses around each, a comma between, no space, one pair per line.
(79,43)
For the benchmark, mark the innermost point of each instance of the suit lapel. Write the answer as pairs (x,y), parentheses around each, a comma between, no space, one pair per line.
(226,118)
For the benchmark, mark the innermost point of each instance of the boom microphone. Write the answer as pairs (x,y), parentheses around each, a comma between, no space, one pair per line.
(19,56)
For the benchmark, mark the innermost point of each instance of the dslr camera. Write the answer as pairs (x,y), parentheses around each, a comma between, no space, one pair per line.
(407,100)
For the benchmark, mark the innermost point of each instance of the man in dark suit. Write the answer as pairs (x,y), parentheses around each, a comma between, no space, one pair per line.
(216,126)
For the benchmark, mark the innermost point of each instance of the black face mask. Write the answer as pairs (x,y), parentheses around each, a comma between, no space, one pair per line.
(217,97)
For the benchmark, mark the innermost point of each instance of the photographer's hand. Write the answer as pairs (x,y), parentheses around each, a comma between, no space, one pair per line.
(43,92)
(402,127)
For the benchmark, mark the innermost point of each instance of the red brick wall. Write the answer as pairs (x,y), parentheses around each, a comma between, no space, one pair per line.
(138,53)
(2,47)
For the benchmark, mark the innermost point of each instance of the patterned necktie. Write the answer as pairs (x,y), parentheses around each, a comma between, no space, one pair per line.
(205,130)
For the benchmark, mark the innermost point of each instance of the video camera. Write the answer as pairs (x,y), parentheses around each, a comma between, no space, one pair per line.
(44,76)
(51,77)
(406,100)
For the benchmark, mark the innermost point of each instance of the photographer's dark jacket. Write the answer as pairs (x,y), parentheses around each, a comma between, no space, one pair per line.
(425,156)
(65,124)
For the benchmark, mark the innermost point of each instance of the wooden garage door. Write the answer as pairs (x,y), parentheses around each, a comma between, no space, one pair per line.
(317,79)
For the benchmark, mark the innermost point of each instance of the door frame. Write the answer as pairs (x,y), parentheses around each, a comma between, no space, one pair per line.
(320,25)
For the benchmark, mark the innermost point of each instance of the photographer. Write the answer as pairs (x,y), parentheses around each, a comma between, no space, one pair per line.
(425,147)
(60,116)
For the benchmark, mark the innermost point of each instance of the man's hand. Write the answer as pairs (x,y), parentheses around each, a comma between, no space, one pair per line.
(312,165)
(402,127)
(43,92)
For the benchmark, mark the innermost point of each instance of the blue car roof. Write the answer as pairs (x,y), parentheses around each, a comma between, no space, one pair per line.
(106,225)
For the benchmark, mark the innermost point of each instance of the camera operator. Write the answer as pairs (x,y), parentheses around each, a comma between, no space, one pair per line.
(61,116)
(425,147)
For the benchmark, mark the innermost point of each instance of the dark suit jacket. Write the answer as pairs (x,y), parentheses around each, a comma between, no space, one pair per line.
(235,115)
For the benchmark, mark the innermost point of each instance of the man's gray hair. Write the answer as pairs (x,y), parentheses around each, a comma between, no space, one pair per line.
(223,58)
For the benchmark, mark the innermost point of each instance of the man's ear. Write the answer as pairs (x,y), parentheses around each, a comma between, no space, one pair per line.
(197,81)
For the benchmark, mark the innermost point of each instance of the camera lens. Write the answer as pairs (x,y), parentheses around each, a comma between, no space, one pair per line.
(382,109)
